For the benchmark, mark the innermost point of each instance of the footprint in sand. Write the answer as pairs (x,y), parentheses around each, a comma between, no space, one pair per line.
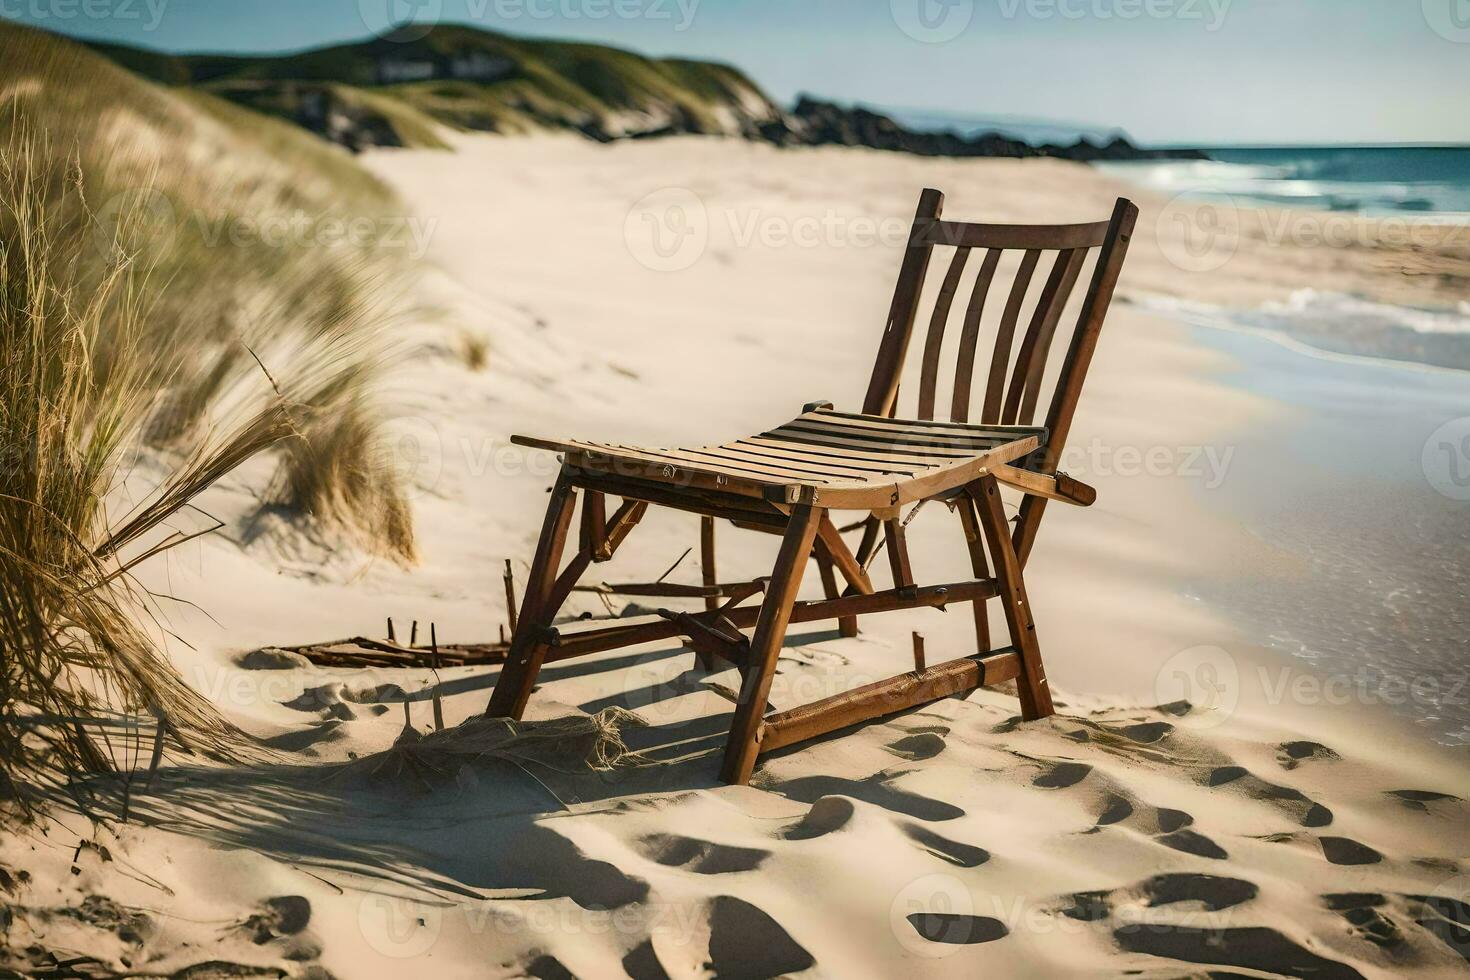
(547,967)
(957,930)
(1192,842)
(827,816)
(1147,733)
(1306,811)
(1212,893)
(1365,912)
(1421,800)
(1264,951)
(1254,948)
(306,740)
(954,852)
(284,915)
(701,856)
(876,790)
(1116,809)
(1344,850)
(1293,754)
(1122,737)
(746,942)
(918,747)
(1061,775)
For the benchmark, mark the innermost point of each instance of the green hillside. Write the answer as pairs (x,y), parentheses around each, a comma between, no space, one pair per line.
(386,92)
(192,189)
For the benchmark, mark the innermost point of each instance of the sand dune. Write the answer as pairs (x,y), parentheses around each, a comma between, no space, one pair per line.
(1135,833)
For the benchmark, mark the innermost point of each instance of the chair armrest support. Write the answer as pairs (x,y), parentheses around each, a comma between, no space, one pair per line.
(1059,487)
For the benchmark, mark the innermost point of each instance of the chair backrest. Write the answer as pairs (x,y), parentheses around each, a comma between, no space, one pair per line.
(1019,360)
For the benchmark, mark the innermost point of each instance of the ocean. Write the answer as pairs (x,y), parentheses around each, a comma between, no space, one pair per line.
(1399,183)
(1365,482)
(1422,181)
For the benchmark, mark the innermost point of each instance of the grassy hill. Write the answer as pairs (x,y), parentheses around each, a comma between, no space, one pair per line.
(387,92)
(173,183)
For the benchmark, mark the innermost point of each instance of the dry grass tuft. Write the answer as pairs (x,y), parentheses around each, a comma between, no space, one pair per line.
(338,471)
(144,355)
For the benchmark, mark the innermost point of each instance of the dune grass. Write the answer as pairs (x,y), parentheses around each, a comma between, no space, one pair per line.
(148,347)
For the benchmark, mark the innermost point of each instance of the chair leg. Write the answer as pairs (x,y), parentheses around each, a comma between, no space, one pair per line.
(978,565)
(710,577)
(898,554)
(523,660)
(858,583)
(765,647)
(846,625)
(1035,695)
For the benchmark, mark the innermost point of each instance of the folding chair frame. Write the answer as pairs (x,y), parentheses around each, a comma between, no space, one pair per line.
(804,522)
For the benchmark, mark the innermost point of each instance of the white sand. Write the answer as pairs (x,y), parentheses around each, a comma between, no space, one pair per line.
(1199,839)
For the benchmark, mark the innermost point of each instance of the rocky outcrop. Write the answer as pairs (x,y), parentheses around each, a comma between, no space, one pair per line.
(816,123)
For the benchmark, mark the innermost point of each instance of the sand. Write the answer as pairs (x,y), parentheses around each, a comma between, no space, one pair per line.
(1269,831)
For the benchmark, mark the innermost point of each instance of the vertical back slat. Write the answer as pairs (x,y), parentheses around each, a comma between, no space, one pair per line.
(970,337)
(883,386)
(929,376)
(1005,336)
(1074,367)
(1031,364)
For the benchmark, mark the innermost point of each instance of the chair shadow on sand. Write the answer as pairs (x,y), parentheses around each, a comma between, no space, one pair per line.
(484,830)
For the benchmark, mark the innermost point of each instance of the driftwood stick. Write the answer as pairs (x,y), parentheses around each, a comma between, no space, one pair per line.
(438,701)
(918,651)
(392,638)
(674,565)
(510,594)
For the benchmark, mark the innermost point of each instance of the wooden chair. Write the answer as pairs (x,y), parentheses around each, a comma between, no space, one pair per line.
(789,479)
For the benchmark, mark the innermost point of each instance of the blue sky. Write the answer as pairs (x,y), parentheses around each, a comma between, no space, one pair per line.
(1180,71)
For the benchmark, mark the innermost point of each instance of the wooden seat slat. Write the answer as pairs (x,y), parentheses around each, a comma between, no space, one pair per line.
(843,463)
(835,466)
(842,452)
